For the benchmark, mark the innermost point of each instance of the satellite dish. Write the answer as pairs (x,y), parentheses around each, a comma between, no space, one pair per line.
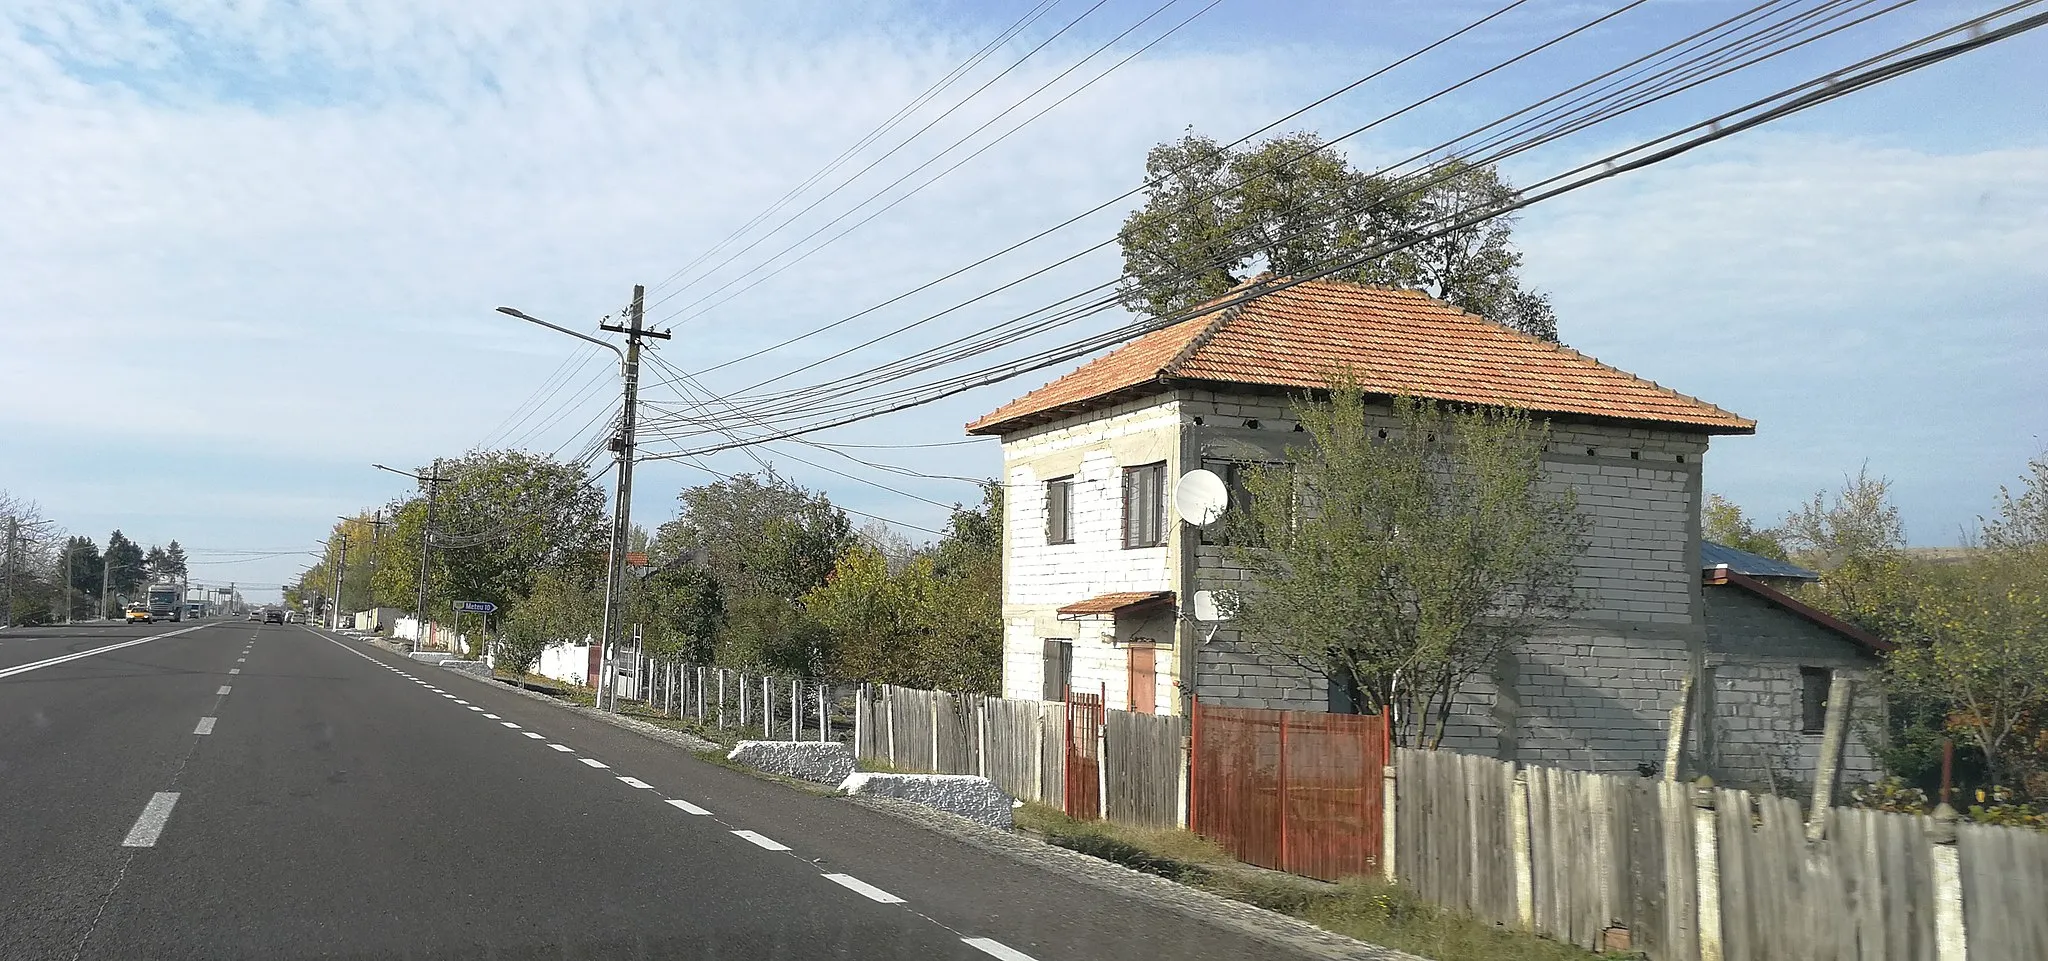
(1200,497)
(1209,606)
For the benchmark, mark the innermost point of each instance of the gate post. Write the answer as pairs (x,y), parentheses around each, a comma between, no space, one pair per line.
(1286,864)
(1389,837)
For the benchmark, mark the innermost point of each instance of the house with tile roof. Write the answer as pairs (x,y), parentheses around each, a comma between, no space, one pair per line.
(1099,574)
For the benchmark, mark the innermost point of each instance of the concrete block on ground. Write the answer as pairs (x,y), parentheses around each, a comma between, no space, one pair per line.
(826,763)
(969,796)
(478,668)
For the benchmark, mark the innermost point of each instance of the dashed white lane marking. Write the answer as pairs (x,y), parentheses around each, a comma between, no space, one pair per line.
(863,888)
(476,709)
(686,807)
(234,670)
(509,724)
(761,840)
(492,716)
(593,762)
(240,660)
(995,948)
(532,735)
(564,748)
(151,823)
(205,726)
(636,782)
(224,689)
(460,701)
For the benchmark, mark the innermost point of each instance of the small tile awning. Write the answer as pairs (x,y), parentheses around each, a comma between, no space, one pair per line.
(1119,601)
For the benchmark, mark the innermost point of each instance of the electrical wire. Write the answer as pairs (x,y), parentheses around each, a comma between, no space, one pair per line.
(1786,102)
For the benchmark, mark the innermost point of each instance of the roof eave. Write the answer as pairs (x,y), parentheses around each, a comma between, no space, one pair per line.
(1722,576)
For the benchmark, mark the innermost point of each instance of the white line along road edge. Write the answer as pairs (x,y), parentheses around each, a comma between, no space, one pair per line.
(54,661)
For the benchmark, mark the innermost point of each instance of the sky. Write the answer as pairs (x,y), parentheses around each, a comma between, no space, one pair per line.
(248,249)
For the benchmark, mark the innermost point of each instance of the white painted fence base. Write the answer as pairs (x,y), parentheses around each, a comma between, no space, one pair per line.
(827,763)
(969,796)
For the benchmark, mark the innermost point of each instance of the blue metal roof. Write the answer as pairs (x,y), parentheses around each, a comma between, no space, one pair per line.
(1714,555)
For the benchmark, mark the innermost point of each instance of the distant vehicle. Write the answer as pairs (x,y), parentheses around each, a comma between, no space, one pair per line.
(139,613)
(293,617)
(166,602)
(254,616)
(273,616)
(195,610)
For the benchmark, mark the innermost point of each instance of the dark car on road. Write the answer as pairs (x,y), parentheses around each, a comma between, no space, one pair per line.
(273,617)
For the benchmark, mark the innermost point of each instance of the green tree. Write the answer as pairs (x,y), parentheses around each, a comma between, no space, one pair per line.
(683,609)
(758,535)
(501,519)
(127,567)
(559,608)
(763,632)
(1402,554)
(1723,522)
(175,565)
(1213,217)
(2021,520)
(155,563)
(82,558)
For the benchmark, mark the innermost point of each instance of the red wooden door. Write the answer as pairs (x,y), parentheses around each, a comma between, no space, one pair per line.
(1144,683)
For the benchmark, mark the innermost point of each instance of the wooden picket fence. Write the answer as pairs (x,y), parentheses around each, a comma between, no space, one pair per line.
(1023,747)
(1688,874)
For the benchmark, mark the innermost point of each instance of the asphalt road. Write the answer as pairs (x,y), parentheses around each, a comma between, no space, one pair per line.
(237,790)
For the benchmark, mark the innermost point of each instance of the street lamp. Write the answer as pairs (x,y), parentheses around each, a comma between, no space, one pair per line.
(432,483)
(622,499)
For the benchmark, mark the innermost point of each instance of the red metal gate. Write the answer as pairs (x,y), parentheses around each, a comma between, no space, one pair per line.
(1084,755)
(1290,790)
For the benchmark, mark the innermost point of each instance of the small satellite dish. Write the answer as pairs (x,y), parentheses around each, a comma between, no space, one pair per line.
(1209,606)
(1200,497)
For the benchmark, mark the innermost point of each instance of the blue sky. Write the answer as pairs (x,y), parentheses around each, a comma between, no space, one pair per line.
(251,248)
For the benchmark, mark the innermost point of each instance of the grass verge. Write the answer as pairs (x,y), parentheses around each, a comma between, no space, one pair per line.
(1368,909)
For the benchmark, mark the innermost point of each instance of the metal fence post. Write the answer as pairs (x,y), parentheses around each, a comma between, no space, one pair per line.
(889,718)
(796,710)
(821,713)
(981,737)
(934,699)
(721,699)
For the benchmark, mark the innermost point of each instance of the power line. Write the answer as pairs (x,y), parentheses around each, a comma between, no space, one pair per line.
(872,164)
(906,365)
(902,113)
(1826,88)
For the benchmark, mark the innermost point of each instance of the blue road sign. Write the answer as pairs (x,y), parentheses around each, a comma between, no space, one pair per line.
(476,607)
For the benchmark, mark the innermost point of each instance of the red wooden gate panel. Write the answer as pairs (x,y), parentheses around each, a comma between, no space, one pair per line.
(1084,756)
(1291,790)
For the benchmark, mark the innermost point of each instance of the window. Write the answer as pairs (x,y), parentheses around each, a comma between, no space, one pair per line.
(1059,669)
(1237,480)
(1813,699)
(1059,510)
(1145,505)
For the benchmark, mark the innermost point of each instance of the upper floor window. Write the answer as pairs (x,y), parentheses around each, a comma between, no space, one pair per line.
(1236,479)
(1145,505)
(1059,510)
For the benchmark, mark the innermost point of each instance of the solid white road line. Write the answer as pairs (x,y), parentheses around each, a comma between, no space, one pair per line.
(593,762)
(993,947)
(54,661)
(205,726)
(224,689)
(636,782)
(686,807)
(564,748)
(151,823)
(863,888)
(761,840)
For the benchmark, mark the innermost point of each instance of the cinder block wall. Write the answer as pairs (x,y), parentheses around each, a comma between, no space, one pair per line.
(1754,652)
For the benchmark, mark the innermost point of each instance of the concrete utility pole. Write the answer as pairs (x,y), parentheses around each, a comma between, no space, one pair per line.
(70,547)
(334,606)
(12,527)
(623,446)
(376,528)
(622,507)
(432,482)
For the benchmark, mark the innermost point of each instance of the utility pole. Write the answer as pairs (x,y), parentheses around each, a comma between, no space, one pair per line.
(334,606)
(70,547)
(622,507)
(376,527)
(13,526)
(426,539)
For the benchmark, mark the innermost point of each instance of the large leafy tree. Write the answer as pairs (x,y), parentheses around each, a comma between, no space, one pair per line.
(126,565)
(1401,553)
(558,607)
(757,534)
(175,564)
(156,562)
(82,559)
(501,520)
(1213,217)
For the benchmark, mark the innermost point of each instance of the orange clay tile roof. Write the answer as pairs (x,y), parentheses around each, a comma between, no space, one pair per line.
(1111,603)
(1389,341)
